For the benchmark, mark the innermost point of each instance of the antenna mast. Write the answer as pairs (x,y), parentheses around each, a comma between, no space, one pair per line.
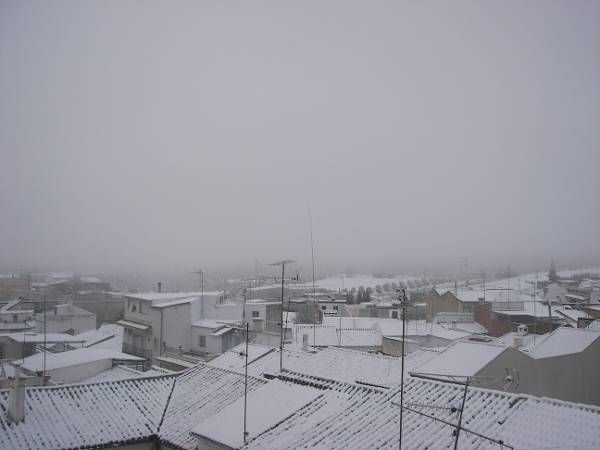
(312,252)
(282,264)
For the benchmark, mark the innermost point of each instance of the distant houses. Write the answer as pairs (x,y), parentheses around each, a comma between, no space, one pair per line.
(162,327)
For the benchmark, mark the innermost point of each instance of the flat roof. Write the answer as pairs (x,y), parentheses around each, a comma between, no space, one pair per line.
(75,357)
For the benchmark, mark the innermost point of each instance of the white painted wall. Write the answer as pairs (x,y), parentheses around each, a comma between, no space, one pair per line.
(79,372)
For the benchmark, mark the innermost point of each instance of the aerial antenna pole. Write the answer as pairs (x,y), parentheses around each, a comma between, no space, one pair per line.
(44,368)
(282,264)
(246,388)
(403,304)
(312,253)
(201,273)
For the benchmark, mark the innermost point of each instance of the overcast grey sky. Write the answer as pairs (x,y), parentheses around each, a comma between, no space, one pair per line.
(151,135)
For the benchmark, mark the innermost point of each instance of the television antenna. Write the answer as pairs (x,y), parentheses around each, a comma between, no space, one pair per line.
(282,263)
(511,382)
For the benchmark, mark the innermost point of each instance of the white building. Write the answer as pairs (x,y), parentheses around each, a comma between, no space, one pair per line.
(65,318)
(163,325)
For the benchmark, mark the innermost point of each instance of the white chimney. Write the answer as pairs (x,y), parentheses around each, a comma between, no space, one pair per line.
(517,341)
(305,342)
(16,398)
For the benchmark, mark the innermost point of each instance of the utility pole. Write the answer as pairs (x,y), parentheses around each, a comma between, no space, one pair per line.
(282,264)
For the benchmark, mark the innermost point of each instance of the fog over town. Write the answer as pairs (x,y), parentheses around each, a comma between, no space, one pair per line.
(169,137)
(428,172)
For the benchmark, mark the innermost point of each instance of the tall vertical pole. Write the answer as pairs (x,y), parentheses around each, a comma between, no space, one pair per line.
(202,292)
(460,415)
(312,253)
(403,304)
(246,388)
(281,322)
(44,368)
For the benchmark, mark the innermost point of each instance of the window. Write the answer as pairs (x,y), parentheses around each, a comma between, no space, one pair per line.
(255,314)
(141,307)
(202,341)
(335,307)
(323,307)
(394,314)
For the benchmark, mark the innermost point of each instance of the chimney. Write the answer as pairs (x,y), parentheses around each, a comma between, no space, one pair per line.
(305,342)
(159,287)
(16,398)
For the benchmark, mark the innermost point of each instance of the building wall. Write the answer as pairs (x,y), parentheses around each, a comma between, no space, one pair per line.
(63,323)
(79,372)
(209,347)
(107,309)
(393,347)
(568,377)
(176,329)
(496,328)
(436,303)
(11,287)
(429,341)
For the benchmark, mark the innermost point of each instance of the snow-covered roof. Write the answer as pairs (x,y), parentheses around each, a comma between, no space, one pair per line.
(324,336)
(129,324)
(109,336)
(213,323)
(17,326)
(276,401)
(343,415)
(331,363)
(75,357)
(235,359)
(565,341)
(175,361)
(353,416)
(9,308)
(529,340)
(164,297)
(200,393)
(90,280)
(571,313)
(526,306)
(422,328)
(39,338)
(65,310)
(118,373)
(87,416)
(169,304)
(222,331)
(463,358)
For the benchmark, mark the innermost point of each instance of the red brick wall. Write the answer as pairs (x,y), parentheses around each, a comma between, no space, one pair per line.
(483,316)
